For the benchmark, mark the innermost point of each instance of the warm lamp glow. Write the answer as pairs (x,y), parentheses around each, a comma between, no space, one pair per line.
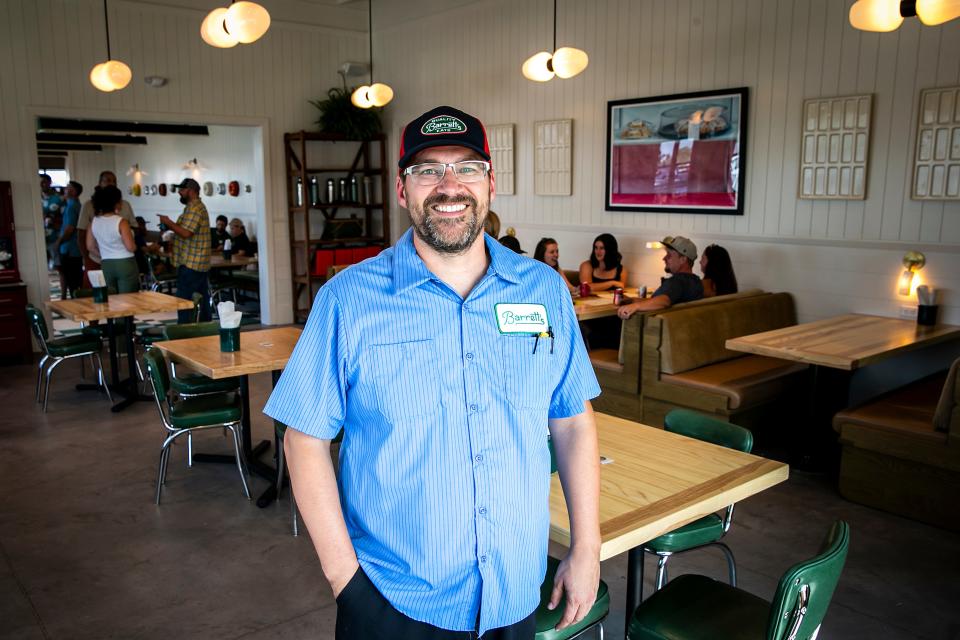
(905,283)
(99,79)
(247,21)
(933,12)
(568,62)
(654,245)
(876,15)
(213,32)
(380,94)
(118,73)
(361,97)
(537,67)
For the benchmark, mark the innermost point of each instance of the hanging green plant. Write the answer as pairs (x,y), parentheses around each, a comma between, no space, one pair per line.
(338,115)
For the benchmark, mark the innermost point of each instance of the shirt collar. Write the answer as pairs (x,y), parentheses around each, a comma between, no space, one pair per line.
(409,270)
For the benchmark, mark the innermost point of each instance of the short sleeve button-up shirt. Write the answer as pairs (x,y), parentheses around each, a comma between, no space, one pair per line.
(193,252)
(444,465)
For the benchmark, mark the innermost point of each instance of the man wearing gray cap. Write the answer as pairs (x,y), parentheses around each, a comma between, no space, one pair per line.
(191,249)
(683,285)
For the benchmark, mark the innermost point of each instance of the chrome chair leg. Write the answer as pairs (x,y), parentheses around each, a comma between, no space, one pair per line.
(46,392)
(189,449)
(600,627)
(162,470)
(661,571)
(102,379)
(731,563)
(40,368)
(241,467)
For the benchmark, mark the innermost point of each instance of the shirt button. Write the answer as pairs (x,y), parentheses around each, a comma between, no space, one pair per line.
(469,356)
(483,510)
(478,457)
(466,306)
(483,558)
(473,407)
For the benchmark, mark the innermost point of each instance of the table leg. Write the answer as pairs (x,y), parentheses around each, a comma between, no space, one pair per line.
(634,584)
(130,388)
(814,446)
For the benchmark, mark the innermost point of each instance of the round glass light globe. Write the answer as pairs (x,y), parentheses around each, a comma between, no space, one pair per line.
(568,62)
(380,94)
(361,97)
(247,21)
(876,15)
(99,79)
(118,73)
(535,67)
(933,12)
(213,33)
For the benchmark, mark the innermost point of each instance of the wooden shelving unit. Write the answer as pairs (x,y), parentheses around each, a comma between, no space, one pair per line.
(326,156)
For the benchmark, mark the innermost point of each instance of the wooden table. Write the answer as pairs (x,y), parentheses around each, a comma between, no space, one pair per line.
(260,351)
(654,481)
(120,305)
(598,305)
(846,342)
(235,262)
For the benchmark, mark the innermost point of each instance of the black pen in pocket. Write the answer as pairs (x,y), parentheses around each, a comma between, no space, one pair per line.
(543,334)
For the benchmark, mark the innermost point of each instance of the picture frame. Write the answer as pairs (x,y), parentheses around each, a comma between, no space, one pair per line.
(835,148)
(679,153)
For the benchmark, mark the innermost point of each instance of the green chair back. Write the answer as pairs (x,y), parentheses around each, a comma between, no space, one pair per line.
(818,578)
(157,369)
(38,323)
(697,425)
(553,455)
(191,330)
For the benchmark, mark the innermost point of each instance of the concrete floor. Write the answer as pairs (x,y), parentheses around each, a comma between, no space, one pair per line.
(86,553)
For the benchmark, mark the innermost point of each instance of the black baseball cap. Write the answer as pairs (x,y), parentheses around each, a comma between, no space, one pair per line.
(440,127)
(189,183)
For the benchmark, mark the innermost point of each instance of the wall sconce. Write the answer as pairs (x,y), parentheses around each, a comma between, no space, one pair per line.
(888,15)
(136,172)
(654,245)
(913,261)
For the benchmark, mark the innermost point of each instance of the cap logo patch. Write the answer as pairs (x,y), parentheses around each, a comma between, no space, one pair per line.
(440,125)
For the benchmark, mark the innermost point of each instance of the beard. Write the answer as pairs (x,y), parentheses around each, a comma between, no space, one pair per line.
(448,235)
(184,200)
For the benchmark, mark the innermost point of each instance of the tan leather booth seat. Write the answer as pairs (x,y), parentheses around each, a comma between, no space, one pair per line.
(896,459)
(619,370)
(686,363)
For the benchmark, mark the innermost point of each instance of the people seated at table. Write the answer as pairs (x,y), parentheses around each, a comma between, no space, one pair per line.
(511,242)
(548,252)
(240,244)
(219,233)
(718,277)
(683,285)
(604,270)
(111,238)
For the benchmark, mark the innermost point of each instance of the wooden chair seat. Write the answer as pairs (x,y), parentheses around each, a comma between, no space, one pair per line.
(746,381)
(607,359)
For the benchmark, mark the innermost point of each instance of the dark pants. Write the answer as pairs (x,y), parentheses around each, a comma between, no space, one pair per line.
(364,614)
(71,270)
(188,283)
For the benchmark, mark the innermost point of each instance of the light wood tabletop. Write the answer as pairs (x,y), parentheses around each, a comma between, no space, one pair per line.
(260,351)
(654,481)
(846,342)
(599,305)
(118,305)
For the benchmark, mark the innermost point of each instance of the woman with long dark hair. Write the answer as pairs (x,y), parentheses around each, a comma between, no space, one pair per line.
(604,269)
(548,252)
(717,268)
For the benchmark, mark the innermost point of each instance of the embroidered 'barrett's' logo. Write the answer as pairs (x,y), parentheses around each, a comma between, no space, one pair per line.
(443,124)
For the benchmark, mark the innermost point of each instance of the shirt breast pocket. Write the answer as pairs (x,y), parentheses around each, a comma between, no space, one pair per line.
(405,384)
(527,375)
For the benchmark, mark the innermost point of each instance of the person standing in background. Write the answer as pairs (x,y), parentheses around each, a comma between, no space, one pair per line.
(191,249)
(92,261)
(51,203)
(111,238)
(71,260)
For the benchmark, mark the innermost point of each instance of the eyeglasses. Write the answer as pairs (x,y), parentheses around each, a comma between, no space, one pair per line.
(430,174)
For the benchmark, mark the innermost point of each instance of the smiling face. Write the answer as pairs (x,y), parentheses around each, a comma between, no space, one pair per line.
(599,251)
(449,216)
(551,255)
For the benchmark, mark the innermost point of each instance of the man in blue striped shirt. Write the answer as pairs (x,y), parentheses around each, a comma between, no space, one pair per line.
(446,360)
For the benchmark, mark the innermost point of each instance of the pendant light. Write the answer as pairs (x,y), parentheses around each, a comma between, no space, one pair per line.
(564,62)
(888,15)
(375,94)
(111,75)
(242,22)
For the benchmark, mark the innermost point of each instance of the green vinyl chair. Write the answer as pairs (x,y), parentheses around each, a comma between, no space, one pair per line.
(708,530)
(149,335)
(161,275)
(189,385)
(547,619)
(191,414)
(694,607)
(58,350)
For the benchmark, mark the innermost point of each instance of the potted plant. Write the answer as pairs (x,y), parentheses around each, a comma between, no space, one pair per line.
(339,115)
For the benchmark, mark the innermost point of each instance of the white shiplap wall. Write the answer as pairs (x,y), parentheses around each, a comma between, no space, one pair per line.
(47,48)
(783,50)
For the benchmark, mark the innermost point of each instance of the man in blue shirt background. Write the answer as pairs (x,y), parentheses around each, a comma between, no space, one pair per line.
(447,360)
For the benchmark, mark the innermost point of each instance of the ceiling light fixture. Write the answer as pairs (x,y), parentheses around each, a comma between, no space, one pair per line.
(111,75)
(375,94)
(193,165)
(564,62)
(135,171)
(242,22)
(888,15)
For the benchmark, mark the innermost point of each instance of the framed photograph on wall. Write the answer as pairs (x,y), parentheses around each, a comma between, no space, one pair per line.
(682,153)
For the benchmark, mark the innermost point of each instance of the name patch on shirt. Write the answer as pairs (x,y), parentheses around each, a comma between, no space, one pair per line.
(520,317)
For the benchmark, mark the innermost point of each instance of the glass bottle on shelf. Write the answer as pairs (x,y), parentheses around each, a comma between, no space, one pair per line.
(331,190)
(354,189)
(299,192)
(314,191)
